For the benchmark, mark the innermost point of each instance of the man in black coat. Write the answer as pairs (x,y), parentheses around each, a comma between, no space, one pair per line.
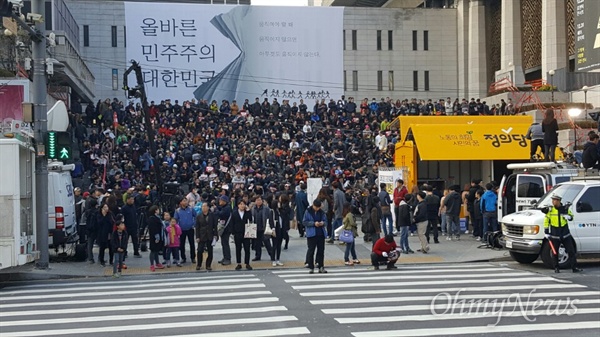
(129,213)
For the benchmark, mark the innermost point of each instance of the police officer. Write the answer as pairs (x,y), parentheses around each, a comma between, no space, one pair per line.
(556,228)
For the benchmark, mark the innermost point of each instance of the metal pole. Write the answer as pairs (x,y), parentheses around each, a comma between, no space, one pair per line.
(552,87)
(41,129)
(585,101)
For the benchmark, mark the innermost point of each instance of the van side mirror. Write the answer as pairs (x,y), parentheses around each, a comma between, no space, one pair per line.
(533,202)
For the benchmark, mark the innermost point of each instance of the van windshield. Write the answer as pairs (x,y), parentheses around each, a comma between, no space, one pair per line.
(567,192)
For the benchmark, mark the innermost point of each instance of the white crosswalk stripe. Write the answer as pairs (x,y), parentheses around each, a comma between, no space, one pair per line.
(223,305)
(456,300)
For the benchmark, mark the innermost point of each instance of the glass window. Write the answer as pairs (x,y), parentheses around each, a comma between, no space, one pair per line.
(124,36)
(379,80)
(415,80)
(355,80)
(426,80)
(113,36)
(354,40)
(345,82)
(426,40)
(390,80)
(589,201)
(566,192)
(344,38)
(390,40)
(378,40)
(86,35)
(414,40)
(530,186)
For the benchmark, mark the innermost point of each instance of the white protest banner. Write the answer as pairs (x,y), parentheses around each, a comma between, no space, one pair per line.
(236,52)
(388,176)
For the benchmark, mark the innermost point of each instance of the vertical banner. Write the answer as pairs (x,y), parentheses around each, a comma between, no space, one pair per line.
(388,176)
(236,52)
(313,186)
(587,35)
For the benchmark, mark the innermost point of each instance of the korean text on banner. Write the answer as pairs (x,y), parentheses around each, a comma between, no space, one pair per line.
(236,52)
(472,142)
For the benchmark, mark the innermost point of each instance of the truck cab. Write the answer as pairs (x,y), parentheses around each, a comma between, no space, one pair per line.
(523,231)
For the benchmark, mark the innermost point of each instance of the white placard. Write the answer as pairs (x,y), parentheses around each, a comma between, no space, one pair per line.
(313,186)
(236,52)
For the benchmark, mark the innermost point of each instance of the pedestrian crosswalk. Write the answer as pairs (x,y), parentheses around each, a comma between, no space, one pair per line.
(448,300)
(194,306)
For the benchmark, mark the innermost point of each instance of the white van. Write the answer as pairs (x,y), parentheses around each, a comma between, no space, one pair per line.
(528,182)
(523,231)
(62,225)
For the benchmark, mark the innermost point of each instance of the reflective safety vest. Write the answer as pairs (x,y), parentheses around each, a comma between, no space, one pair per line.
(555,219)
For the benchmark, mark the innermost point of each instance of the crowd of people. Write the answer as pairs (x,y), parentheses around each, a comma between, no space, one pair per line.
(232,164)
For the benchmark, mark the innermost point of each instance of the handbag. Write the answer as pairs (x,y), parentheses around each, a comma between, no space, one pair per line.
(347,236)
(250,230)
(268,230)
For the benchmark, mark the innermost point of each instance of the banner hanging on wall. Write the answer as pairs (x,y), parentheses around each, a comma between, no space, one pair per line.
(236,52)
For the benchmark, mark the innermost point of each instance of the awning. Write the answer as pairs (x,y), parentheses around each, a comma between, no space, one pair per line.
(498,141)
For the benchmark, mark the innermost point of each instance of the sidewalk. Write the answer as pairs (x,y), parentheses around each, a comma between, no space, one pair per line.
(465,250)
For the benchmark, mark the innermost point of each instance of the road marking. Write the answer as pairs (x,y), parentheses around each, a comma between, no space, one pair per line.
(445,305)
(479,315)
(154,298)
(162,281)
(424,284)
(354,293)
(117,284)
(157,315)
(141,327)
(156,305)
(397,277)
(458,298)
(472,330)
(130,292)
(429,268)
(253,333)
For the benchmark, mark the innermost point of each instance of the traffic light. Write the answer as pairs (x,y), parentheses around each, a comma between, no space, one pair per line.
(58,145)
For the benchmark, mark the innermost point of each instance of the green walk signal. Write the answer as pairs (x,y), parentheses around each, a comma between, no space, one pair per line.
(65,153)
(58,145)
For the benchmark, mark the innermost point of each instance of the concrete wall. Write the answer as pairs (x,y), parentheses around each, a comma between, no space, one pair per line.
(440,60)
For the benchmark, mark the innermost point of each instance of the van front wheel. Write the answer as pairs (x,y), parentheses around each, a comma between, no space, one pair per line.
(564,259)
(523,258)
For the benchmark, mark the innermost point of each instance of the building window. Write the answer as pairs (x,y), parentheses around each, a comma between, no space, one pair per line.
(124,36)
(353,39)
(390,40)
(390,80)
(414,40)
(426,80)
(354,80)
(113,36)
(379,80)
(115,79)
(426,40)
(86,35)
(344,38)
(345,82)
(378,40)
(415,80)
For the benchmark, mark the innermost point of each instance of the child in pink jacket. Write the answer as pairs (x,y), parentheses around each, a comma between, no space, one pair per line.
(173,234)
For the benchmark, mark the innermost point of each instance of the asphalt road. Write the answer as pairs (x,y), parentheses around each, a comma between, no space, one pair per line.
(497,299)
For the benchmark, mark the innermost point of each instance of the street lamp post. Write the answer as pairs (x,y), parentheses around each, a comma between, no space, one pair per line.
(585,90)
(552,72)
(574,113)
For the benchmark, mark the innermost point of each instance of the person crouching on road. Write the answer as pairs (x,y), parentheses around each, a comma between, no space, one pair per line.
(118,242)
(556,228)
(173,233)
(385,251)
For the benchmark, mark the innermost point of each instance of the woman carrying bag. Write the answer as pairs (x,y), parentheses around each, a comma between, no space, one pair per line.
(349,225)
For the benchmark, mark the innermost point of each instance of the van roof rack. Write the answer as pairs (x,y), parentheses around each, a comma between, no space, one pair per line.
(588,174)
(540,166)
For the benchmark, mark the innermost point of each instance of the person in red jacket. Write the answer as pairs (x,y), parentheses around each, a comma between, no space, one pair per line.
(386,251)
(400,193)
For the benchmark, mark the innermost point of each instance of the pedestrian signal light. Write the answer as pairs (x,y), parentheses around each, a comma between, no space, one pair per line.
(58,145)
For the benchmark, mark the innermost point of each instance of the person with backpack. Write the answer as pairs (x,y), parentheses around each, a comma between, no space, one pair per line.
(172,238)
(186,217)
